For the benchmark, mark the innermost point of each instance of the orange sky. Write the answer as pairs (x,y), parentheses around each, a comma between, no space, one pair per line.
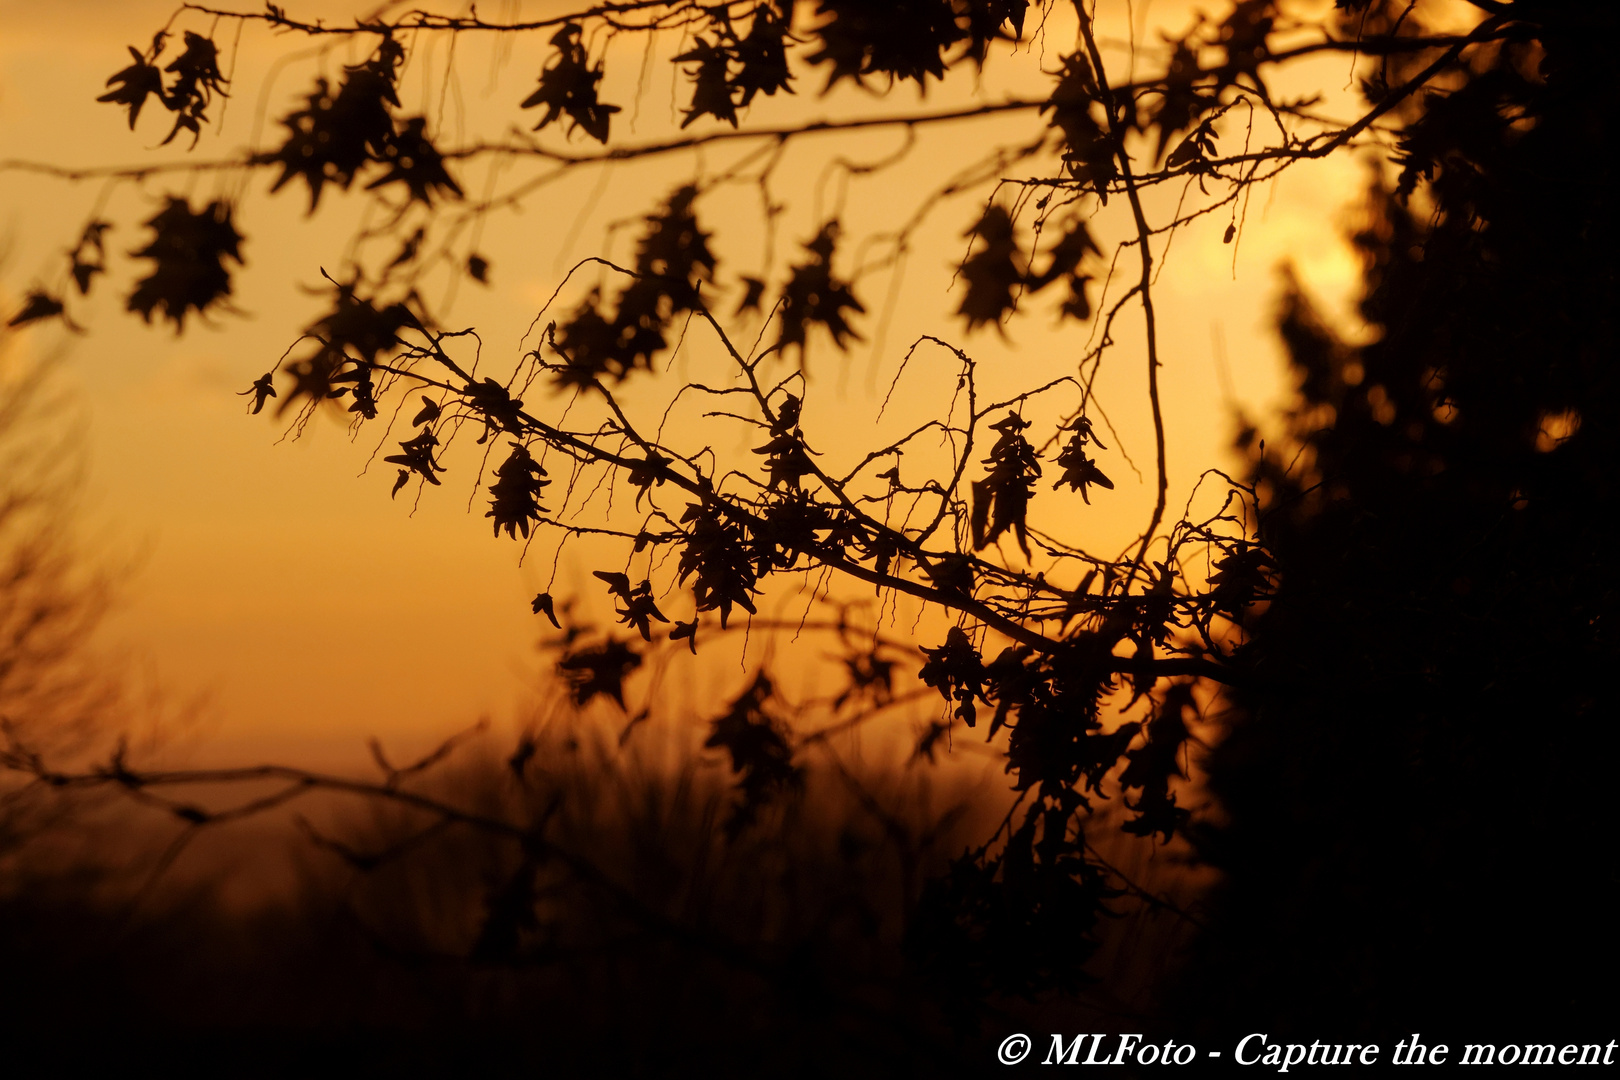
(311,610)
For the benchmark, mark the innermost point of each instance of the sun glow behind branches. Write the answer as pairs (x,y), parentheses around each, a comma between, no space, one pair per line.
(252,577)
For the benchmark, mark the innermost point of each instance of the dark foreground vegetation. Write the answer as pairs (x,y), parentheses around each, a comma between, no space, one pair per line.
(383,941)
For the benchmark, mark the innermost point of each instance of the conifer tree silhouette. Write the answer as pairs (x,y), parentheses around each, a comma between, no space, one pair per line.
(1416,802)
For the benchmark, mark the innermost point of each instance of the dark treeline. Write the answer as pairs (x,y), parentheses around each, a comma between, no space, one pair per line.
(1419,811)
(394,944)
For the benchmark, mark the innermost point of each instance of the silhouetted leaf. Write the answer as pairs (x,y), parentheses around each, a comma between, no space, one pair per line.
(89,256)
(409,249)
(356,323)
(568,87)
(986,20)
(992,272)
(786,461)
(1079,470)
(1001,499)
(903,39)
(544,605)
(427,414)
(515,494)
(1066,255)
(1195,150)
(717,553)
(753,293)
(363,390)
(196,70)
(1243,34)
(599,671)
(813,295)
(1241,577)
(335,135)
(83,273)
(1066,258)
(928,741)
(1087,149)
(314,378)
(675,250)
(761,57)
(787,415)
(36,306)
(760,754)
(956,670)
(589,345)
(871,679)
(197,79)
(712,93)
(1078,303)
(500,410)
(951,572)
(1180,104)
(618,584)
(639,608)
(417,456)
(188,251)
(262,389)
(1151,767)
(672,261)
(138,82)
(414,161)
(647,472)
